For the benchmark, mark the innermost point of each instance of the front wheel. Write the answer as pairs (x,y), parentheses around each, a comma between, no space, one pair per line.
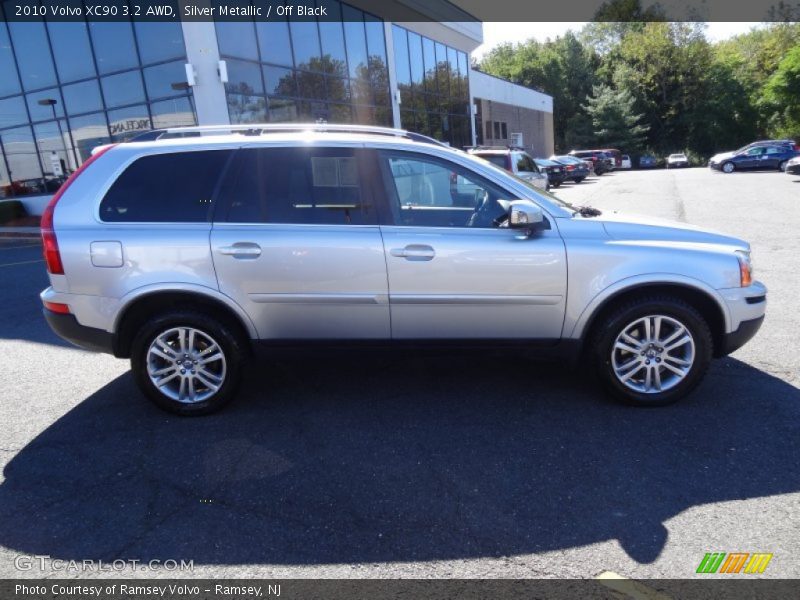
(652,351)
(187,363)
(728,168)
(556,184)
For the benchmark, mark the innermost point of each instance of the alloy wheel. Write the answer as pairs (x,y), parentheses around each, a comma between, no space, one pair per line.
(653,354)
(186,364)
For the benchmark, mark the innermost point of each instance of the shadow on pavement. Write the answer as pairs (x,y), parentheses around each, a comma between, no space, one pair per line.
(371,458)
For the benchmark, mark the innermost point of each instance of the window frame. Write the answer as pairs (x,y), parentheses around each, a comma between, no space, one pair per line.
(123,168)
(230,179)
(387,190)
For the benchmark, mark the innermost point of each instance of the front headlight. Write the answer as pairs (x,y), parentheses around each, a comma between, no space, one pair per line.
(745,267)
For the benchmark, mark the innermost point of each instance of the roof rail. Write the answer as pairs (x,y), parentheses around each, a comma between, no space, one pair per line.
(259,128)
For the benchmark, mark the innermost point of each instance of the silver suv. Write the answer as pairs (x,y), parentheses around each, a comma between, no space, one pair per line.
(181,253)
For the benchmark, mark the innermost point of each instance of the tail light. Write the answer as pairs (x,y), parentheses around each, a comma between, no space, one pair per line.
(52,256)
(57,307)
(570,167)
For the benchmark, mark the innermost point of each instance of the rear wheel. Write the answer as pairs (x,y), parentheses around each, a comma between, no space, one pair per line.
(578,179)
(652,351)
(728,167)
(187,362)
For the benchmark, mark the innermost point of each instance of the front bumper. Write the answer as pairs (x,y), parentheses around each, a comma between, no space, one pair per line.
(746,307)
(793,169)
(67,327)
(736,339)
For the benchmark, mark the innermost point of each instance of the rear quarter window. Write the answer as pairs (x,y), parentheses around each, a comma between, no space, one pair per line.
(173,188)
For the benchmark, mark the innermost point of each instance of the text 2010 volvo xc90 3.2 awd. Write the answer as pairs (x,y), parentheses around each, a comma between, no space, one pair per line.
(181,252)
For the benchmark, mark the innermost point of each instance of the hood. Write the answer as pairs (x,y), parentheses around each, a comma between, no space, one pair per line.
(722,156)
(622,226)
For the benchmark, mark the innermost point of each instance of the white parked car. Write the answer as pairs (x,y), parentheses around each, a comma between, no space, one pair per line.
(626,162)
(677,160)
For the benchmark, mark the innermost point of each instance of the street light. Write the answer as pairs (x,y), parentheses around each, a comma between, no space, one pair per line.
(51,102)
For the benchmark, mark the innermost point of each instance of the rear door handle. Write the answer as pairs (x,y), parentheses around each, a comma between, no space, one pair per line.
(241,250)
(414,252)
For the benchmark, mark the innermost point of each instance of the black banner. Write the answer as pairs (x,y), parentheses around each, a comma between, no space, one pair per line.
(380,589)
(405,10)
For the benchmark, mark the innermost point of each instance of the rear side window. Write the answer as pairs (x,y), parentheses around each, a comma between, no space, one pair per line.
(316,186)
(165,188)
(496,159)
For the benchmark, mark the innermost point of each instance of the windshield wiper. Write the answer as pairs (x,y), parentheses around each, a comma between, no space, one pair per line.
(587,211)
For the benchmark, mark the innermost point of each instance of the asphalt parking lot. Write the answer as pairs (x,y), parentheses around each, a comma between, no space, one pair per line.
(436,465)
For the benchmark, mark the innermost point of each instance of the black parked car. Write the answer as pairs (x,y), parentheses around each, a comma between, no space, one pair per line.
(556,172)
(774,157)
(600,162)
(577,169)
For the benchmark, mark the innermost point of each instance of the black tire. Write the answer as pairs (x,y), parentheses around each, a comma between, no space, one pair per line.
(556,184)
(578,179)
(605,334)
(231,345)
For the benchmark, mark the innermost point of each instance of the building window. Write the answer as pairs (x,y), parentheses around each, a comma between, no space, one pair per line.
(68,87)
(434,89)
(308,70)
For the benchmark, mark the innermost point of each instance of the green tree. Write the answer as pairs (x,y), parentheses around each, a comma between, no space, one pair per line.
(563,68)
(782,95)
(614,119)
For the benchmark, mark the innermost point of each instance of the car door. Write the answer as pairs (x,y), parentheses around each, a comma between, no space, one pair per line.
(295,242)
(751,158)
(453,273)
(772,157)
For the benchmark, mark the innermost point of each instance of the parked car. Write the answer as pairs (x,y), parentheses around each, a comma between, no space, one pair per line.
(793,166)
(556,172)
(756,157)
(720,158)
(615,156)
(600,162)
(577,169)
(513,160)
(626,162)
(183,254)
(675,161)
(647,161)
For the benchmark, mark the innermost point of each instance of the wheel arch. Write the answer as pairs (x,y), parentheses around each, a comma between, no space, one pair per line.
(141,304)
(704,299)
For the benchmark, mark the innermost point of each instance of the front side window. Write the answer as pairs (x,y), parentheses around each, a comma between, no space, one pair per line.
(424,191)
(319,186)
(167,188)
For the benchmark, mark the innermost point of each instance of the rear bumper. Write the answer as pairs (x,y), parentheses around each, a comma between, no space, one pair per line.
(88,338)
(736,339)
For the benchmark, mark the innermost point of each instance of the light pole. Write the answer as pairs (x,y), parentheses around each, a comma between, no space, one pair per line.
(51,102)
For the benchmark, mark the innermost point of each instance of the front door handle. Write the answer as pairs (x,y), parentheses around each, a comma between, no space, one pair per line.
(414,252)
(242,250)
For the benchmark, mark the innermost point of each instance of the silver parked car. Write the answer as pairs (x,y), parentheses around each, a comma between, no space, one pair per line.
(181,253)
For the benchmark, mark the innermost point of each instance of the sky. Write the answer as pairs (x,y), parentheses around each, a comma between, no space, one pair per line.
(497,33)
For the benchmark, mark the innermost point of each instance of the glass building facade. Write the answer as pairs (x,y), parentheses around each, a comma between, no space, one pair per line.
(334,71)
(433,80)
(67,87)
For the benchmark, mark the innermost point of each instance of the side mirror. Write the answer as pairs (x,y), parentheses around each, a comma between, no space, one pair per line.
(524,214)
